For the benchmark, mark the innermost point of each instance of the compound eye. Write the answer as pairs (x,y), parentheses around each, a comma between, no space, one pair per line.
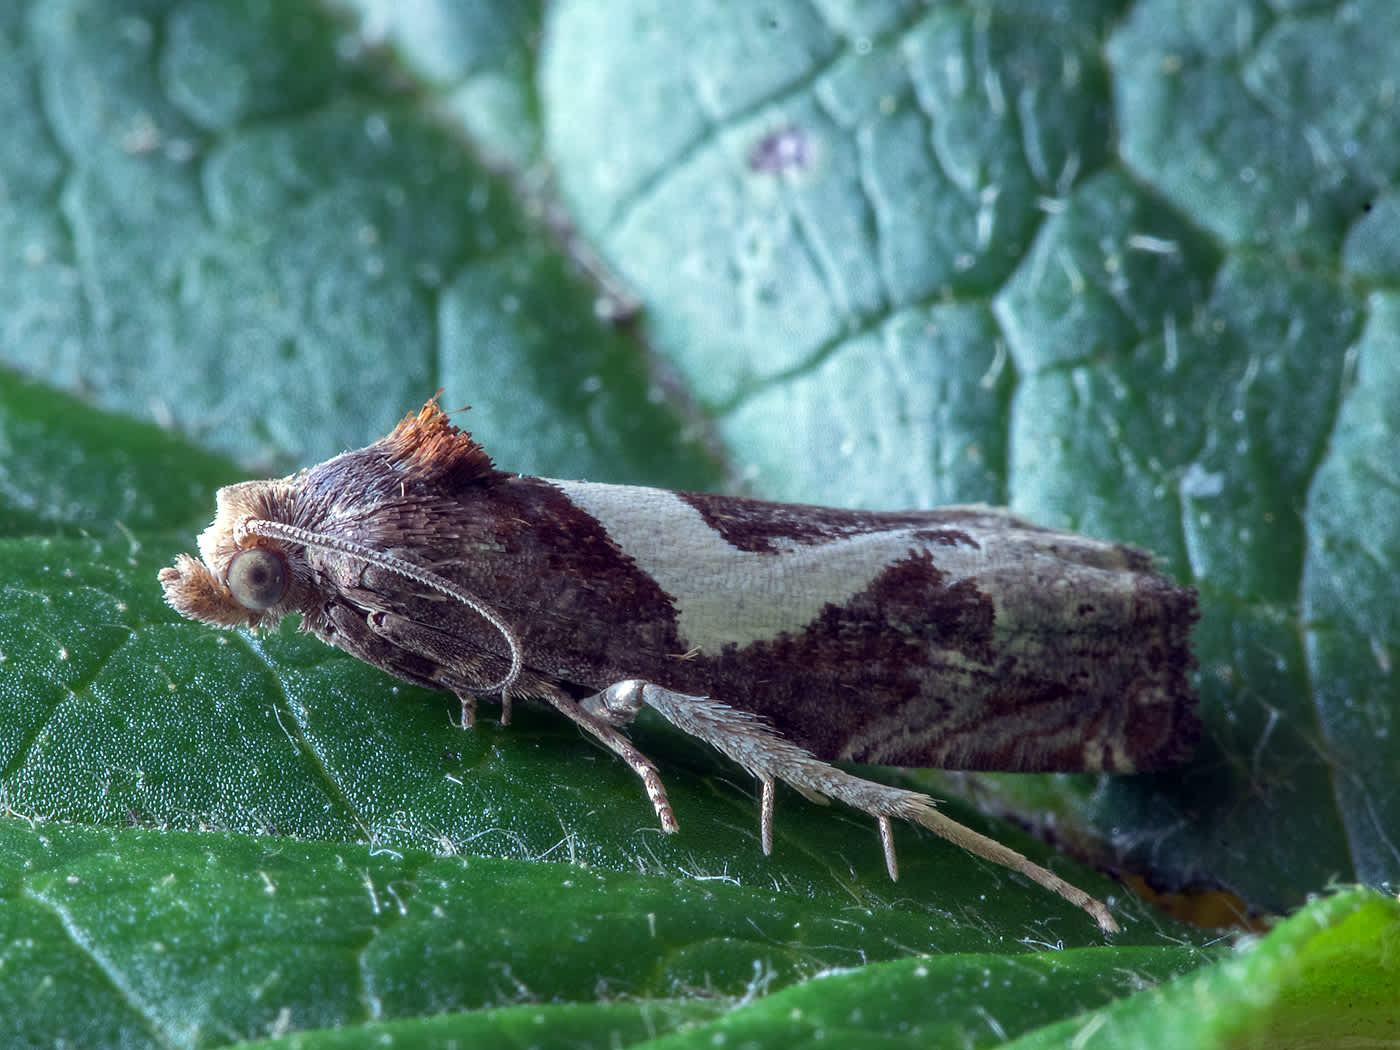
(257,578)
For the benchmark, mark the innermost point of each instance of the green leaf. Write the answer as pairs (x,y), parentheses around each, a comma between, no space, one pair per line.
(1124,267)
(1283,990)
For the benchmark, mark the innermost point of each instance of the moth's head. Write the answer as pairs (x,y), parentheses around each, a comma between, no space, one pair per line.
(240,579)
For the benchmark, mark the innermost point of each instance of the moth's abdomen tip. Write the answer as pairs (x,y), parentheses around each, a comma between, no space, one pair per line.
(1164,733)
(1162,715)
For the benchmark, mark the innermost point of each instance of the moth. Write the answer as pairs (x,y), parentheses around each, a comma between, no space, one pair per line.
(788,637)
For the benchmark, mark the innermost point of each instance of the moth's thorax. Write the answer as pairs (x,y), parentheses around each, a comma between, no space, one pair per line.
(402,496)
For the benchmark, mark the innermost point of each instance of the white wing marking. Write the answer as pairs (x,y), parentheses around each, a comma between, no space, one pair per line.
(724,594)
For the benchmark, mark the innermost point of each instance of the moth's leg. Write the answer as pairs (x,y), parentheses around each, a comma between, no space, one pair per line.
(765,817)
(448,660)
(743,737)
(468,701)
(621,702)
(602,727)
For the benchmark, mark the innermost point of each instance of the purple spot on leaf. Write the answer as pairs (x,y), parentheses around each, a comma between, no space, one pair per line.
(782,150)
